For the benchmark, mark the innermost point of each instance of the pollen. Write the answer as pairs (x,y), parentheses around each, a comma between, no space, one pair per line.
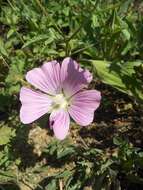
(59,102)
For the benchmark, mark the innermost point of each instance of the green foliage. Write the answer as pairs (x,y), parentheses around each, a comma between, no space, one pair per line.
(121,75)
(95,167)
(15,76)
(6,134)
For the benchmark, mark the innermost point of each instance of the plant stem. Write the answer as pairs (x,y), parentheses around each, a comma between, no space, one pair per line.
(4,61)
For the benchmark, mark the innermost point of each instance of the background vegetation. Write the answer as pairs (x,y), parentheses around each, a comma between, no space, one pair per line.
(105,37)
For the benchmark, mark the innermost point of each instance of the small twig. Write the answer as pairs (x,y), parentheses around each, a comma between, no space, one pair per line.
(85,60)
(82,49)
(20,180)
(61,184)
(83,142)
(26,184)
(75,32)
(19,36)
(11,5)
(42,7)
(4,61)
(67,48)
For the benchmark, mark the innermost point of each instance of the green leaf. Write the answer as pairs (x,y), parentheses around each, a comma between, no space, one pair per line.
(6,133)
(107,75)
(121,76)
(65,152)
(126,34)
(3,50)
(52,185)
(15,74)
(37,39)
(10,33)
(117,141)
(64,174)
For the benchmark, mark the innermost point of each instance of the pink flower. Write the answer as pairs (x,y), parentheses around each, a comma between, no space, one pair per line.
(61,93)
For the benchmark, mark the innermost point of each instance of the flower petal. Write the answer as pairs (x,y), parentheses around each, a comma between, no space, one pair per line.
(46,78)
(34,105)
(60,121)
(73,77)
(83,105)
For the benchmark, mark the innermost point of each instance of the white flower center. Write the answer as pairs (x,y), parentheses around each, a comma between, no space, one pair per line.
(59,102)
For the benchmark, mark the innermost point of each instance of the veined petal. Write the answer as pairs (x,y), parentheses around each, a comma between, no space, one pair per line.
(60,121)
(34,105)
(83,105)
(73,77)
(46,78)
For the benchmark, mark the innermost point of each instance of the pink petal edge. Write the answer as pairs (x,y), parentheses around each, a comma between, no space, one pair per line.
(34,105)
(59,122)
(73,77)
(83,105)
(46,78)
